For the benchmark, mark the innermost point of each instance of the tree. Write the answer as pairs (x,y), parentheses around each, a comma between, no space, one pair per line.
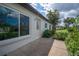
(69,21)
(77,20)
(53,17)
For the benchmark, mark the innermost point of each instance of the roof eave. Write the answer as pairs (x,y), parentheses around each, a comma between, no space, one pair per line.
(30,8)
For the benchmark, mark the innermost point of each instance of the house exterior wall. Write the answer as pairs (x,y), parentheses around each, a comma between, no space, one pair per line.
(9,45)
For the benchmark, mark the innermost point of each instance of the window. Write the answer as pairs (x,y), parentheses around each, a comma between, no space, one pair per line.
(24,25)
(45,25)
(8,23)
(49,27)
(37,25)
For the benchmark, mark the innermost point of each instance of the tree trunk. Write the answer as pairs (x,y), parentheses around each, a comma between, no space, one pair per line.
(53,29)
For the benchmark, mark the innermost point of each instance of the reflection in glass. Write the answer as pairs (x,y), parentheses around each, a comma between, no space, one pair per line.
(8,23)
(24,25)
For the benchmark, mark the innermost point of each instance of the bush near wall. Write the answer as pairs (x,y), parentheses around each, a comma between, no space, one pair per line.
(47,33)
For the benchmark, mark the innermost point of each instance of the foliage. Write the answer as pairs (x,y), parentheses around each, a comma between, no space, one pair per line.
(62,30)
(8,35)
(72,42)
(71,29)
(77,20)
(47,33)
(69,21)
(53,17)
(61,34)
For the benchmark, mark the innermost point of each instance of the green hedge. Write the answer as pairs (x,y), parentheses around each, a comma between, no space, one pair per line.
(72,42)
(60,35)
(71,29)
(47,33)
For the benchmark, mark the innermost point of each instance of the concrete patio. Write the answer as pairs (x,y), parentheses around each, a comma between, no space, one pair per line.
(42,47)
(39,47)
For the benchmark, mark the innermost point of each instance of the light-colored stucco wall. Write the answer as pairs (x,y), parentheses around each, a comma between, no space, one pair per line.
(9,45)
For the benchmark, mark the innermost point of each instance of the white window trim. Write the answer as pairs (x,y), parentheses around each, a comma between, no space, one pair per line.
(8,41)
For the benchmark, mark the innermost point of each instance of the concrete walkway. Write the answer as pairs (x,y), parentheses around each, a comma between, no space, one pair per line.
(58,49)
(39,47)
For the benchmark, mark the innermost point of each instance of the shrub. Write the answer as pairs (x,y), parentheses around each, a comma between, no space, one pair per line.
(71,29)
(72,42)
(47,33)
(53,32)
(61,34)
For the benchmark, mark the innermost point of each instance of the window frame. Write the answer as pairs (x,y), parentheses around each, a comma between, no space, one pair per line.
(8,41)
(49,27)
(45,25)
(28,26)
(37,24)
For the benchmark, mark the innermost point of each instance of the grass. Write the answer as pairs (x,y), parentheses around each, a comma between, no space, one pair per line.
(64,30)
